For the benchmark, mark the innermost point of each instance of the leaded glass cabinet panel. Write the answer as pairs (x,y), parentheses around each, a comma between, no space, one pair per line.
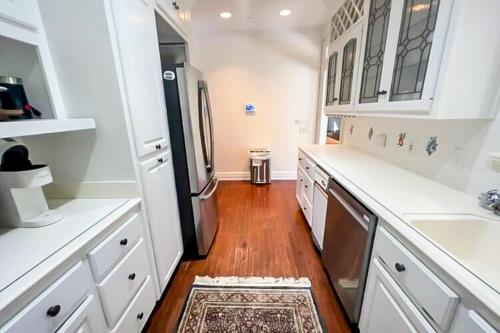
(347,74)
(331,78)
(378,22)
(414,46)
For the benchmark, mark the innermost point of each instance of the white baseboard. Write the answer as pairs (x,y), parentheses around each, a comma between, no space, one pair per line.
(275,175)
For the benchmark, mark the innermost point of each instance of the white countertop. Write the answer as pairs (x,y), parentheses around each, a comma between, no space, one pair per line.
(28,254)
(392,193)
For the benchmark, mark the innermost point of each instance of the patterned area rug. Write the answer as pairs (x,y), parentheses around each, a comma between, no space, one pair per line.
(249,305)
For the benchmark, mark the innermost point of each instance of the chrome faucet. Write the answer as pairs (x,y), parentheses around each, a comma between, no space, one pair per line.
(491,201)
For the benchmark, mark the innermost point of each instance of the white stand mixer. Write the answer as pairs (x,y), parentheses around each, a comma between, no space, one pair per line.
(22,201)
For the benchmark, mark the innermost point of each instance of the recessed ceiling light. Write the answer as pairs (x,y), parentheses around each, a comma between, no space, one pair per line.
(285,12)
(226,15)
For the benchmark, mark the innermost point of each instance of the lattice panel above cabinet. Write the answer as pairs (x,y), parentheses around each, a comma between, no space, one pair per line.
(347,15)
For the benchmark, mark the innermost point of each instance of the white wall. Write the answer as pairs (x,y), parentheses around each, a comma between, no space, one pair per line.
(461,160)
(279,72)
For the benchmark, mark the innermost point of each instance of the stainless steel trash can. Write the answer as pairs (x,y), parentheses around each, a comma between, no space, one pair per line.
(260,165)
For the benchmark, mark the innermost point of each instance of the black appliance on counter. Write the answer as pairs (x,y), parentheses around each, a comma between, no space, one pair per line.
(13,100)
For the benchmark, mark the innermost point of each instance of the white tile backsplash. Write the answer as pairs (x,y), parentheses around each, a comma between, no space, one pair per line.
(461,160)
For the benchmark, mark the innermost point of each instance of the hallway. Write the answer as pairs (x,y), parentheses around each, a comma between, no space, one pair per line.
(261,233)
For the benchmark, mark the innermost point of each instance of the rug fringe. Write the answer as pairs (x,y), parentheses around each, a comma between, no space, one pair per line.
(252,281)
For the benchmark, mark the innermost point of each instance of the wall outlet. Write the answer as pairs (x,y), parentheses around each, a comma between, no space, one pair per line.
(381,140)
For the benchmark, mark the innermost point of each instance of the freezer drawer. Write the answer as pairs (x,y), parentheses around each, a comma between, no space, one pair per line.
(206,216)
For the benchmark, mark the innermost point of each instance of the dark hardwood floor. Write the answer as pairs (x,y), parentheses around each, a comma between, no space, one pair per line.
(261,233)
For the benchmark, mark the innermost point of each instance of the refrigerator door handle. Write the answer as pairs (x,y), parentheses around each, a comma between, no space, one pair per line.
(214,188)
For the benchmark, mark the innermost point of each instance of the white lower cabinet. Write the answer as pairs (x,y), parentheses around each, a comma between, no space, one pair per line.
(137,313)
(113,294)
(86,319)
(468,321)
(161,202)
(319,214)
(122,283)
(386,308)
(54,305)
(405,295)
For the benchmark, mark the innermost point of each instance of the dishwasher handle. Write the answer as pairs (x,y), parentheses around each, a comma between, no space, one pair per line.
(362,217)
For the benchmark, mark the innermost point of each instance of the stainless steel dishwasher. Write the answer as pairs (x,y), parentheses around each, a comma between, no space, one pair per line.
(349,232)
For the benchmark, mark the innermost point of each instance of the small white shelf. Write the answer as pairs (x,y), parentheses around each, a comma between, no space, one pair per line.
(11,129)
(495,156)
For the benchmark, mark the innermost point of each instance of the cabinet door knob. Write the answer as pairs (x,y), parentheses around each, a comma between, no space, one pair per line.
(306,186)
(400,267)
(140,315)
(124,242)
(53,310)
(160,160)
(176,6)
(335,99)
(158,147)
(131,276)
(382,92)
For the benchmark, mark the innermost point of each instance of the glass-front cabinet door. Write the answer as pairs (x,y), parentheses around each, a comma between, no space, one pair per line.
(347,51)
(403,46)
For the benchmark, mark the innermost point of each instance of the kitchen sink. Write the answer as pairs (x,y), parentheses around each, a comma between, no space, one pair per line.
(471,240)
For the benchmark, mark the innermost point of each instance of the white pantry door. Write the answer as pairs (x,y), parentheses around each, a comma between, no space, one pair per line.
(141,67)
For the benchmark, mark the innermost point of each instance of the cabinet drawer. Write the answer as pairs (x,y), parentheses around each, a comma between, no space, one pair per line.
(86,319)
(307,209)
(309,168)
(121,284)
(468,321)
(432,296)
(302,160)
(321,178)
(309,189)
(49,310)
(103,257)
(139,310)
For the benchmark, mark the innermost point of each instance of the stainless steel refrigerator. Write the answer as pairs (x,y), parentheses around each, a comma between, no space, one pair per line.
(192,143)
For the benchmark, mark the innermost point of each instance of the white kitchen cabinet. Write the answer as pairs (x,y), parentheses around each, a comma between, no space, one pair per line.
(20,12)
(343,77)
(86,319)
(468,321)
(319,214)
(179,13)
(300,185)
(141,67)
(56,304)
(161,201)
(386,308)
(403,47)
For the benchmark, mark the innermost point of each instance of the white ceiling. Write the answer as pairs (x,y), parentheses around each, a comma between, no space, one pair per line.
(260,14)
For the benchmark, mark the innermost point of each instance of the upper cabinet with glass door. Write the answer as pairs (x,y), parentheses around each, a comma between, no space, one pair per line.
(403,49)
(342,71)
(429,57)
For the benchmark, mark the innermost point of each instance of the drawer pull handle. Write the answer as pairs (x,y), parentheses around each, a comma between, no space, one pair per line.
(158,147)
(323,183)
(53,310)
(131,276)
(307,168)
(306,186)
(160,160)
(140,316)
(124,242)
(400,267)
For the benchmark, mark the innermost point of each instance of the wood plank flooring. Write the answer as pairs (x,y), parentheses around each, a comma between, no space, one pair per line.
(261,233)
